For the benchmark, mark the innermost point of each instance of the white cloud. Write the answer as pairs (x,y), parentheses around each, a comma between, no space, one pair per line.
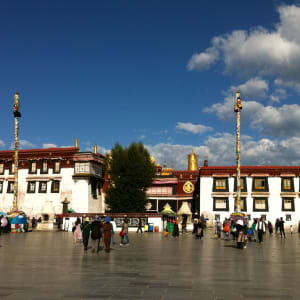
(278,95)
(2,144)
(142,137)
(23,144)
(193,128)
(220,150)
(258,51)
(49,145)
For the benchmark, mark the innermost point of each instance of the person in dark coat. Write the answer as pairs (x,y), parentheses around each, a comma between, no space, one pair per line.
(96,234)
(281,228)
(107,234)
(270,227)
(140,226)
(277,225)
(199,233)
(176,229)
(86,229)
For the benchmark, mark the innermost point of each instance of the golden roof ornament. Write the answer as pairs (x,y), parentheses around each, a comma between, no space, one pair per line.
(193,161)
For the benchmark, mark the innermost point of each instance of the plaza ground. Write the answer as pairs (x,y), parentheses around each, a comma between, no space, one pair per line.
(47,265)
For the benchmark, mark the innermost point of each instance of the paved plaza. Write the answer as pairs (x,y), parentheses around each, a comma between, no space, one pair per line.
(47,265)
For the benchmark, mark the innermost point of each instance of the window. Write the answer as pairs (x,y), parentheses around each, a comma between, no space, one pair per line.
(12,168)
(243,183)
(260,204)
(82,168)
(55,186)
(287,184)
(31,187)
(10,187)
(44,168)
(43,187)
(260,184)
(56,166)
(217,218)
(33,168)
(288,217)
(220,185)
(288,204)
(221,204)
(243,204)
(160,190)
(1,168)
(1,186)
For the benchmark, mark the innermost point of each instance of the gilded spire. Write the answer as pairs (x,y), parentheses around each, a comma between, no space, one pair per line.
(193,161)
(76,143)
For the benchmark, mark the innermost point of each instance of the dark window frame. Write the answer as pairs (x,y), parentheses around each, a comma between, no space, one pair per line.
(1,186)
(54,162)
(293,204)
(261,198)
(9,184)
(292,189)
(266,189)
(221,209)
(40,187)
(28,187)
(245,204)
(52,186)
(226,184)
(245,184)
(30,168)
(42,164)
(11,171)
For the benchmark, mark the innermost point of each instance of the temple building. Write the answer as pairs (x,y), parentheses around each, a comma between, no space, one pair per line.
(268,191)
(64,177)
(175,187)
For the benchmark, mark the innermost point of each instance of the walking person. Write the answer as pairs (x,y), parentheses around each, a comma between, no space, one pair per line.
(140,225)
(226,229)
(114,229)
(281,228)
(96,234)
(199,233)
(107,231)
(292,229)
(77,235)
(125,230)
(261,229)
(218,229)
(196,223)
(176,229)
(254,230)
(86,229)
(277,225)
(270,227)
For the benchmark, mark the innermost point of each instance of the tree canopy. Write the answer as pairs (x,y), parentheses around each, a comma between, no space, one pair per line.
(131,173)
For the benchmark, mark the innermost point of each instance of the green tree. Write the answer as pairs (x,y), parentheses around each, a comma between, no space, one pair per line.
(131,172)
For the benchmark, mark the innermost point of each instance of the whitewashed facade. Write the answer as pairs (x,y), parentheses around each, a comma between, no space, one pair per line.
(271,192)
(57,175)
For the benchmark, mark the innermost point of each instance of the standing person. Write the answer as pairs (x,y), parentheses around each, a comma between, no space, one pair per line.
(292,229)
(125,229)
(299,227)
(77,233)
(114,228)
(140,225)
(218,229)
(183,224)
(270,227)
(261,229)
(281,228)
(33,223)
(276,225)
(86,229)
(254,230)
(107,231)
(96,234)
(195,226)
(199,233)
(176,229)
(240,234)
(226,230)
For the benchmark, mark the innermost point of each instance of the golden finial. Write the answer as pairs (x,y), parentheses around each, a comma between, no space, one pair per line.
(193,161)
(76,143)
(165,164)
(96,149)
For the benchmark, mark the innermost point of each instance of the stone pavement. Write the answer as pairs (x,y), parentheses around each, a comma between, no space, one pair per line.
(47,265)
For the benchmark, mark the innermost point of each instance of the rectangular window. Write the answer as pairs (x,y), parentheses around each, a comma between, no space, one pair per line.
(287,184)
(243,184)
(288,218)
(33,168)
(1,186)
(260,204)
(31,187)
(220,185)
(221,204)
(44,168)
(1,168)
(288,204)
(56,167)
(82,168)
(43,187)
(260,184)
(55,186)
(10,187)
(12,168)
(243,204)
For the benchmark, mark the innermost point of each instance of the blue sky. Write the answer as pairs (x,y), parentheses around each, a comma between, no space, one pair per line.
(163,72)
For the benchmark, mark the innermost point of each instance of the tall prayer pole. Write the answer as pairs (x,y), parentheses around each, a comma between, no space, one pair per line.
(238,109)
(17,115)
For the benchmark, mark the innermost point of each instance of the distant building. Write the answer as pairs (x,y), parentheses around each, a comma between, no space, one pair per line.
(66,177)
(268,191)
